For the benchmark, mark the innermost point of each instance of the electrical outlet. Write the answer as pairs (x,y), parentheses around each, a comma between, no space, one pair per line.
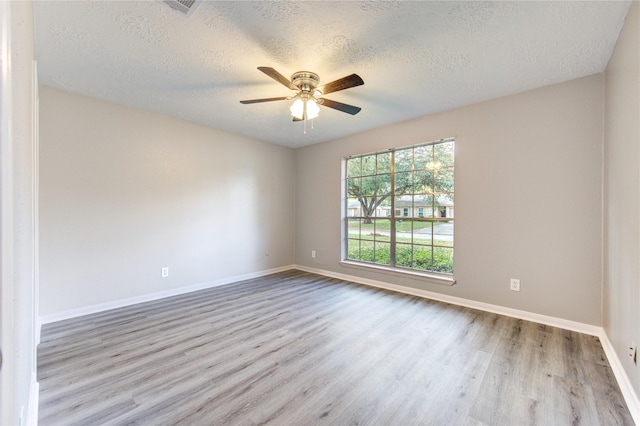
(165,272)
(633,353)
(515,284)
(313,254)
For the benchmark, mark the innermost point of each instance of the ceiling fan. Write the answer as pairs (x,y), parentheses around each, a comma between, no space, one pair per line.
(309,93)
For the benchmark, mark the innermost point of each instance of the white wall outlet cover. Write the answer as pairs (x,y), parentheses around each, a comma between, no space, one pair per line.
(515,284)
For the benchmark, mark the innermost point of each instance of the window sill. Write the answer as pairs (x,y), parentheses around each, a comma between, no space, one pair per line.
(431,277)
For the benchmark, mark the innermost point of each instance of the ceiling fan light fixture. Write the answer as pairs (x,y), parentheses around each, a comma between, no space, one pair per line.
(305,109)
(312,109)
(297,109)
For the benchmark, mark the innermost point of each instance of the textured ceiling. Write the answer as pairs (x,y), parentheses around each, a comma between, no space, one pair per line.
(416,58)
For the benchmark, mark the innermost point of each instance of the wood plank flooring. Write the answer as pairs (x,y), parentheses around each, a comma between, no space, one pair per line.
(299,349)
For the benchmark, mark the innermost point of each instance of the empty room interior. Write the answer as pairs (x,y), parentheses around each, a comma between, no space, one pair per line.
(363,212)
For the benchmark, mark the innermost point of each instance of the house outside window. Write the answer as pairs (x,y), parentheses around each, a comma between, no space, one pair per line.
(399,207)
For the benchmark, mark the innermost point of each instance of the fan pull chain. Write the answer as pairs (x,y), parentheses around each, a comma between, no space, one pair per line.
(305,124)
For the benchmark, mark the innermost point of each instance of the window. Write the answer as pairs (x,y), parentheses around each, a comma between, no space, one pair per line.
(399,207)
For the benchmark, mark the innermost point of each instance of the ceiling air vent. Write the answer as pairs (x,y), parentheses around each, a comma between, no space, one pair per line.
(183,6)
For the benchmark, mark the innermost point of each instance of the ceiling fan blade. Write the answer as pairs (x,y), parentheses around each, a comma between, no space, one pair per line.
(349,109)
(347,82)
(278,77)
(297,119)
(255,101)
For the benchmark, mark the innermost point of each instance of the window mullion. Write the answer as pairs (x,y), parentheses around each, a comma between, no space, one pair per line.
(392,225)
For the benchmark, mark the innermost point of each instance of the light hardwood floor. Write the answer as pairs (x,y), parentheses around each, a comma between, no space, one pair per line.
(299,349)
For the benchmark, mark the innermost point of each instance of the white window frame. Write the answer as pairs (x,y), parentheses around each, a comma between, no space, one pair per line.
(431,275)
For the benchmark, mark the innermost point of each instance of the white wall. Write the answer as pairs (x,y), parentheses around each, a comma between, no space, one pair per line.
(19,225)
(125,192)
(513,155)
(621,302)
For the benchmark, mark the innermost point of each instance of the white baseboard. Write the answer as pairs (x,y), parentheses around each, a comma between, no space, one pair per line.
(87,310)
(629,394)
(34,399)
(487,307)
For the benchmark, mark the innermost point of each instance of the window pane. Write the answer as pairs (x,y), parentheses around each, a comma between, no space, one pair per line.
(382,253)
(403,160)
(401,203)
(443,180)
(424,202)
(368,185)
(354,187)
(443,260)
(423,157)
(367,251)
(404,183)
(444,204)
(403,231)
(423,182)
(422,258)
(353,167)
(381,230)
(353,249)
(353,208)
(353,230)
(367,229)
(443,153)
(404,225)
(368,165)
(383,184)
(422,232)
(443,234)
(384,209)
(403,255)
(384,162)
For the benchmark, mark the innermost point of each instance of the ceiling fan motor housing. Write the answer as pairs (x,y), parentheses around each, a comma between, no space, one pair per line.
(306,81)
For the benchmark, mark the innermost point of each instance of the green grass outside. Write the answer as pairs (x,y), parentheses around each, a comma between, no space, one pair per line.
(373,231)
